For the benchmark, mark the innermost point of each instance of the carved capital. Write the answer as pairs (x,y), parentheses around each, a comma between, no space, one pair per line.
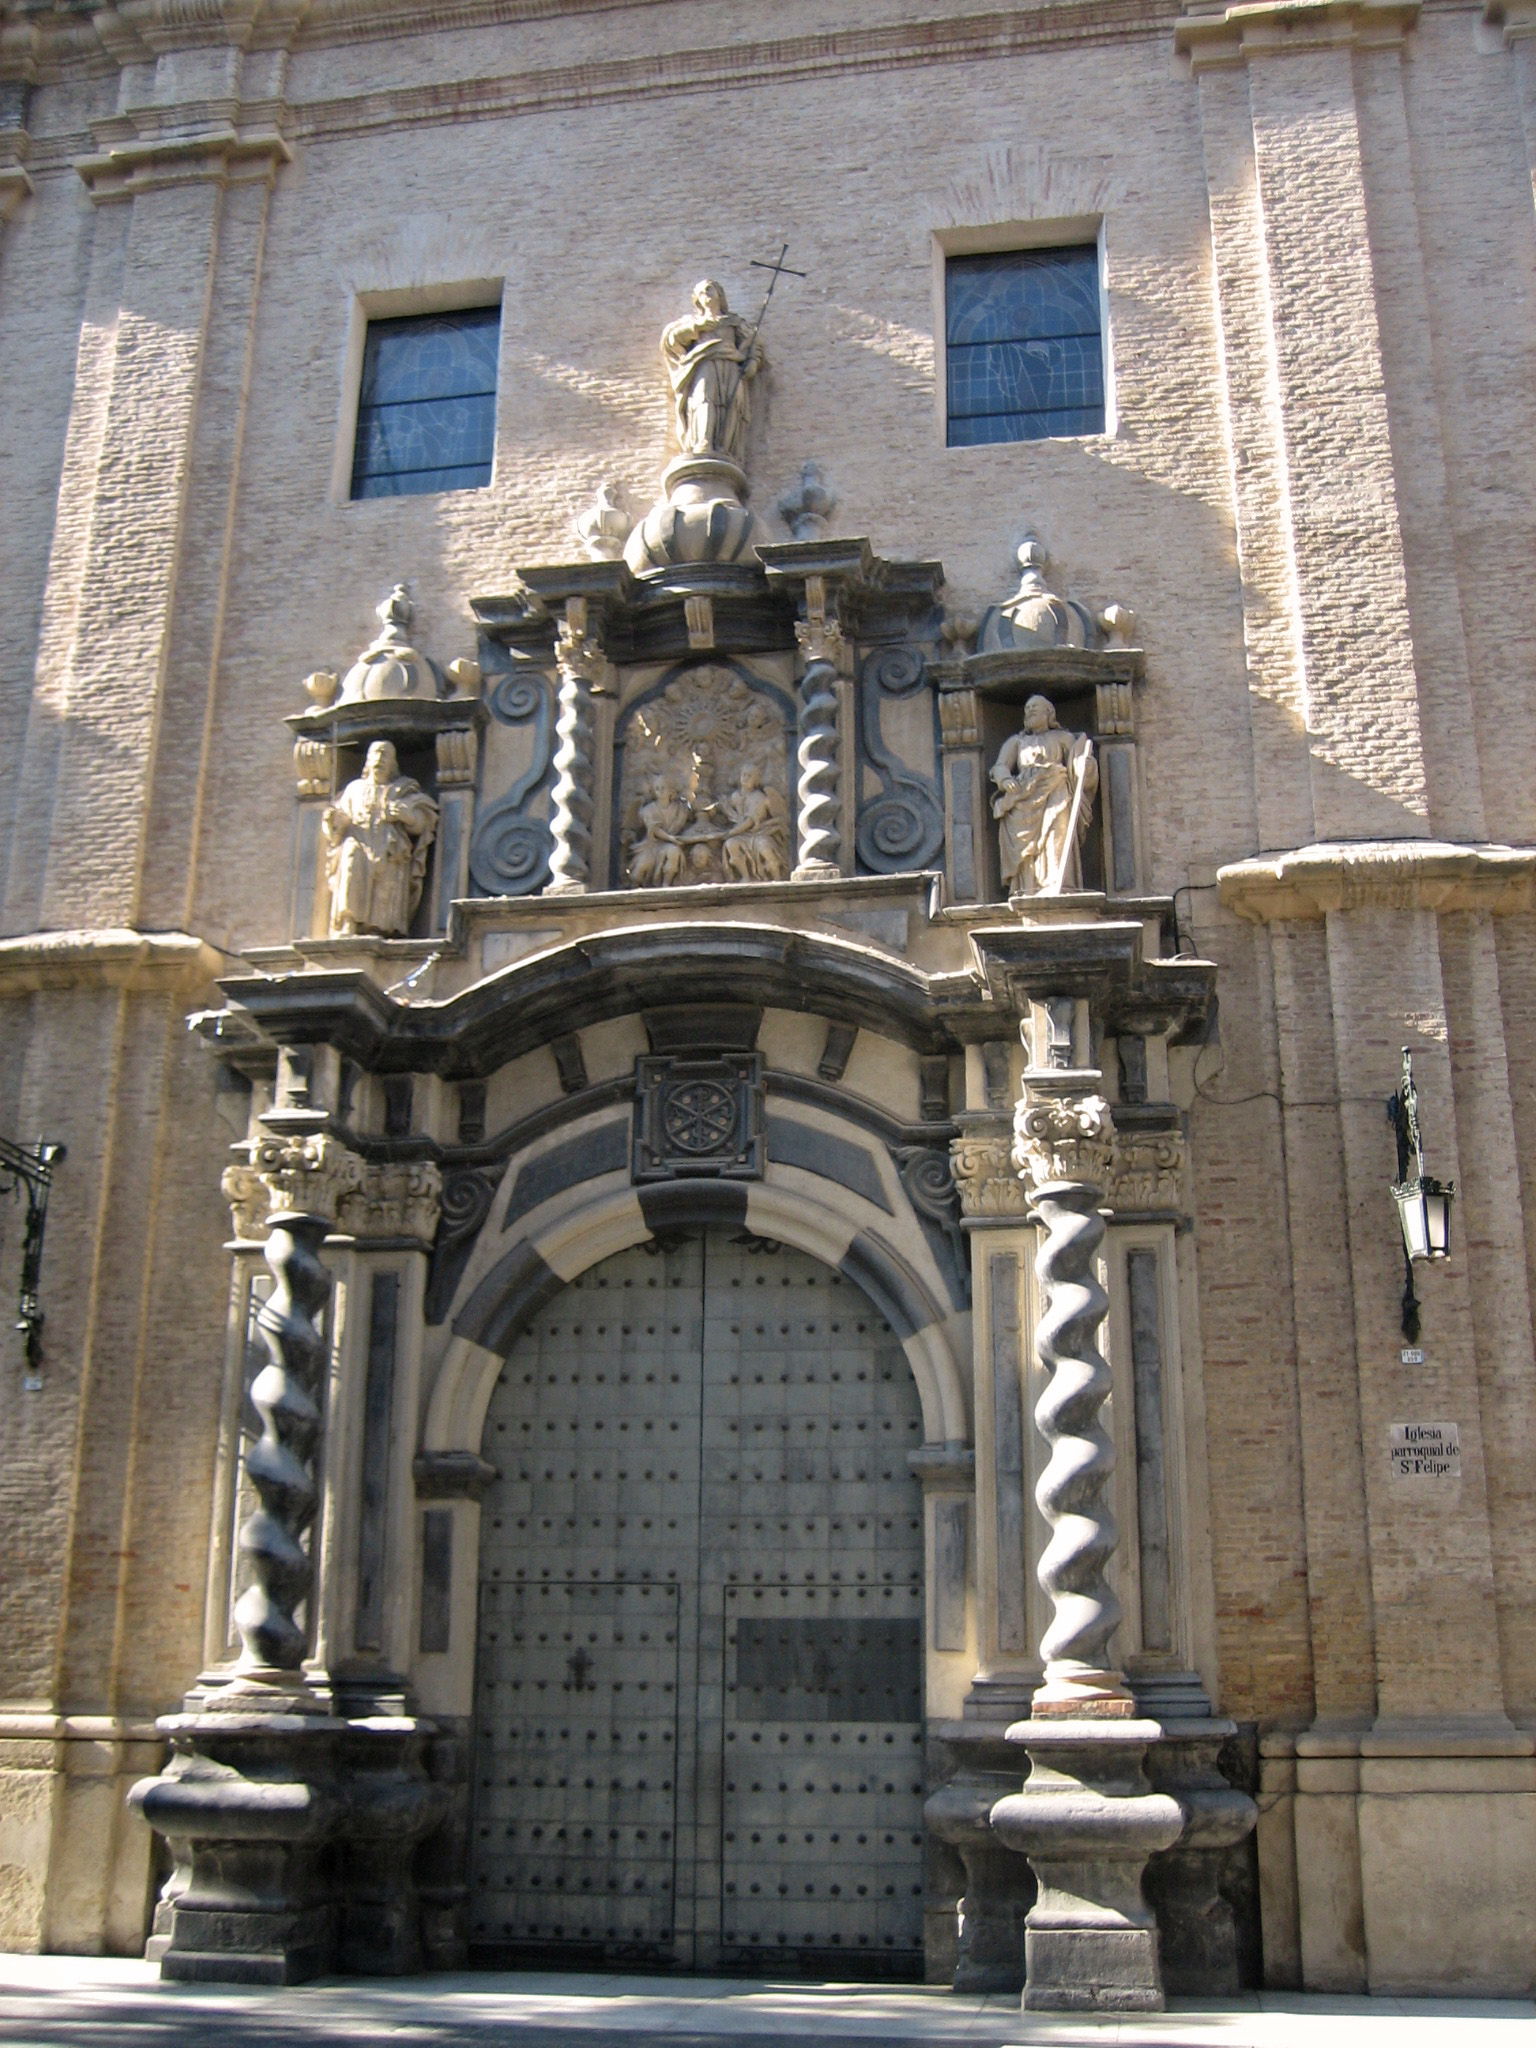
(317,1176)
(578,655)
(1147,1171)
(820,632)
(1059,1138)
(959,718)
(293,1176)
(985,1175)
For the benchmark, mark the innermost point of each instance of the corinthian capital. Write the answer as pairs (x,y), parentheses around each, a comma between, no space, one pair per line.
(310,1175)
(1061,1137)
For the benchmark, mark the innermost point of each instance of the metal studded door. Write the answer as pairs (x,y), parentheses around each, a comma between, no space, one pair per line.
(699,1686)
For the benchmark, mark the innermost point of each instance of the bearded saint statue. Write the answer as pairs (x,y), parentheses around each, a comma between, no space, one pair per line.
(711,357)
(377,835)
(1045,780)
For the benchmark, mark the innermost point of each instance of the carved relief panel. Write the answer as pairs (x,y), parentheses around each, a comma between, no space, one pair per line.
(703,781)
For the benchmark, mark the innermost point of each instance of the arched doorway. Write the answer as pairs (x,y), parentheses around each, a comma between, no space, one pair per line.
(699,1679)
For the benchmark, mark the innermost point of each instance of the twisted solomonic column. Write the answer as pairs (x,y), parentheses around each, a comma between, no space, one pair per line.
(1064,1145)
(818,792)
(583,669)
(304,1179)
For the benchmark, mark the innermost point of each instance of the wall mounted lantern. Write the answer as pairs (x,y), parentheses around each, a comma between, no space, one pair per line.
(30,1168)
(1423,1203)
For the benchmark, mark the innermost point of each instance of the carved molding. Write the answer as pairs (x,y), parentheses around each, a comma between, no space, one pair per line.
(1213,35)
(315,1175)
(117,957)
(1145,1172)
(1382,874)
(224,156)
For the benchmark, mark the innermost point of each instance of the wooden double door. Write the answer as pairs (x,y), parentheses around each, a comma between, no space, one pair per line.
(699,1682)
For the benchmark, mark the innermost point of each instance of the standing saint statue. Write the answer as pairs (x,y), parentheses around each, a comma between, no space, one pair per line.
(1045,779)
(711,357)
(377,835)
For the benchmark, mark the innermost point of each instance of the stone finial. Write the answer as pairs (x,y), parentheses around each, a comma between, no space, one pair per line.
(1036,616)
(807,509)
(605,525)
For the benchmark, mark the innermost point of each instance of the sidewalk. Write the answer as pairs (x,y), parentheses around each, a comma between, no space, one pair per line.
(96,2002)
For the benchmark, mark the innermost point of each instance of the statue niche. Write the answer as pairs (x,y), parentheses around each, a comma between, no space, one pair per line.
(377,836)
(704,794)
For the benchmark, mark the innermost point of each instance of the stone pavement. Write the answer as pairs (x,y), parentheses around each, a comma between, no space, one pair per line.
(96,2002)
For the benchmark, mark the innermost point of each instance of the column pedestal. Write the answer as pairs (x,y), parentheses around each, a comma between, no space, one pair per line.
(1088,1820)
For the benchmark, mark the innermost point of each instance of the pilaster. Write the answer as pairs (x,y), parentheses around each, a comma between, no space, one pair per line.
(113,760)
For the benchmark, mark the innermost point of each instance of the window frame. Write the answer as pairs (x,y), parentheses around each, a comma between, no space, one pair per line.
(1007,238)
(405,303)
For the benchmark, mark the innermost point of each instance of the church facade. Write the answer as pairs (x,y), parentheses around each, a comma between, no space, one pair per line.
(735,755)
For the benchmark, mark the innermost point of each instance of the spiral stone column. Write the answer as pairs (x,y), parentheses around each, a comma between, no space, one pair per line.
(818,833)
(583,668)
(1087,1818)
(254,1794)
(280,1464)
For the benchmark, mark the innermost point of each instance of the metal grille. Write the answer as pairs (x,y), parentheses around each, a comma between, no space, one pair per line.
(699,1688)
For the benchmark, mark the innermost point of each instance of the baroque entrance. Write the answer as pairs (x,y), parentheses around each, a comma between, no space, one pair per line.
(699,1686)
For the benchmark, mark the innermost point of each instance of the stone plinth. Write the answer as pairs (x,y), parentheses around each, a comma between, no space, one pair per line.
(249,1803)
(999,1885)
(1196,1925)
(1088,1820)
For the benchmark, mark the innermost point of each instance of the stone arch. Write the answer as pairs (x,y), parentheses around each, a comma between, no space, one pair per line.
(535,1266)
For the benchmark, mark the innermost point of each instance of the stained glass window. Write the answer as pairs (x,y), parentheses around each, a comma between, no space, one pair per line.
(1024,345)
(426,416)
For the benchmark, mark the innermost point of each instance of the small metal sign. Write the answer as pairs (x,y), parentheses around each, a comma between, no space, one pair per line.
(1425,1450)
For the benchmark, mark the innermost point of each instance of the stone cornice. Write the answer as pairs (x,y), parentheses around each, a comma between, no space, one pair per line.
(1214,35)
(1517,18)
(1380,874)
(224,155)
(107,959)
(61,42)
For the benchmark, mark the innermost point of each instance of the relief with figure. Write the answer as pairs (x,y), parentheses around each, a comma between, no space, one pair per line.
(704,789)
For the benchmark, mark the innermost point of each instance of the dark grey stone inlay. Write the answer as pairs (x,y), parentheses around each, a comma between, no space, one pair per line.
(689,1204)
(962,833)
(518,1284)
(436,1580)
(1141,1276)
(1122,822)
(889,1283)
(1008,1454)
(951,1544)
(792,1143)
(566,1165)
(378,1409)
